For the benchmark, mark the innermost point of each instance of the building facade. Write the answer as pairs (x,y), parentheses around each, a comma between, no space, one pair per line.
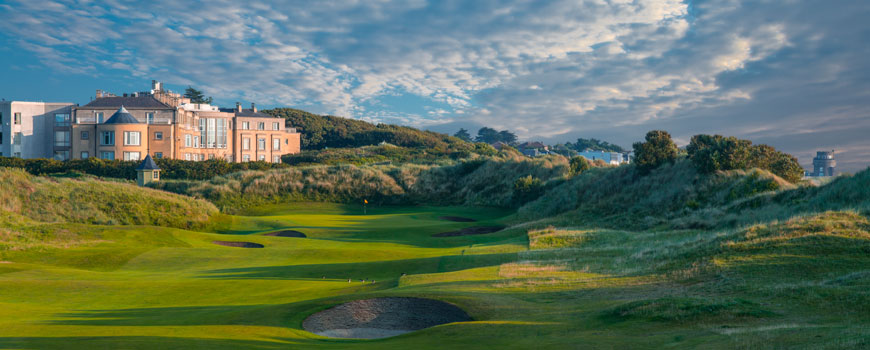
(163,124)
(35,129)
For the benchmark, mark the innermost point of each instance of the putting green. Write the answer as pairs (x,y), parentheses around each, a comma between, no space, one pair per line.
(143,287)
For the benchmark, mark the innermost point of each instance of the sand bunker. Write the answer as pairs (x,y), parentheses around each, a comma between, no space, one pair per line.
(478,230)
(457,219)
(382,317)
(286,233)
(239,244)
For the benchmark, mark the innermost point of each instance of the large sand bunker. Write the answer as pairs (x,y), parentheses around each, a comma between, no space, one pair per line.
(477,230)
(239,244)
(382,317)
(286,233)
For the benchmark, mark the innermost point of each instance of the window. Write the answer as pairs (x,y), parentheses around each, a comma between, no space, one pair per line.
(149,118)
(261,126)
(211,156)
(131,138)
(246,157)
(85,155)
(196,141)
(262,158)
(17,138)
(188,140)
(61,155)
(158,135)
(16,118)
(158,155)
(98,116)
(85,135)
(246,125)
(275,126)
(17,154)
(276,159)
(107,155)
(1,137)
(107,138)
(131,155)
(1,118)
(187,155)
(61,139)
(61,119)
(261,144)
(246,143)
(276,144)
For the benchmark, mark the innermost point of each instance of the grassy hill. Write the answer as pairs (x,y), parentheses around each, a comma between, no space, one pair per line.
(87,200)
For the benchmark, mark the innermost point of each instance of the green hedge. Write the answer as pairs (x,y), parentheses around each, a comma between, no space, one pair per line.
(170,168)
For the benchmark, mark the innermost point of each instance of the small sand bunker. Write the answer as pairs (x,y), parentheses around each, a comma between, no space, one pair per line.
(478,230)
(457,219)
(286,233)
(239,244)
(382,317)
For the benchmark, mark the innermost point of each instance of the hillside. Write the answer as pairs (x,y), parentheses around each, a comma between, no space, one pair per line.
(322,131)
(89,200)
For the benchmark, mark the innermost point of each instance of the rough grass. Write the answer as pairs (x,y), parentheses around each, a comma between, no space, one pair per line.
(93,201)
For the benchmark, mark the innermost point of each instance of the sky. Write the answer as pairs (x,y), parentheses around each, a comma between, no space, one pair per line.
(792,74)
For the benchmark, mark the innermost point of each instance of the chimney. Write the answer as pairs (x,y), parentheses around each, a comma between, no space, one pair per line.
(125,94)
(155,85)
(238,107)
(253,107)
(99,93)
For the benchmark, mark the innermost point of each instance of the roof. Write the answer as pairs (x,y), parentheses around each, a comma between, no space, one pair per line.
(146,101)
(121,117)
(246,113)
(534,144)
(148,164)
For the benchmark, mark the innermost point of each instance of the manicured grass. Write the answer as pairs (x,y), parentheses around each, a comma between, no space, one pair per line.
(797,284)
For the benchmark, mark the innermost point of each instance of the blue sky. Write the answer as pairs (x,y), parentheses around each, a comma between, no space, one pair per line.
(793,74)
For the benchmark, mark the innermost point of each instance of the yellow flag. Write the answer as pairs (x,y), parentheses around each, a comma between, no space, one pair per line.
(366,201)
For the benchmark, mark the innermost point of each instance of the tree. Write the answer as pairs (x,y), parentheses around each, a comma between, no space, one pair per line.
(658,149)
(578,165)
(196,96)
(712,153)
(488,135)
(463,135)
(595,145)
(507,137)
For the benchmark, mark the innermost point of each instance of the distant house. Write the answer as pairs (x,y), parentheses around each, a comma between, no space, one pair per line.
(612,158)
(498,145)
(533,149)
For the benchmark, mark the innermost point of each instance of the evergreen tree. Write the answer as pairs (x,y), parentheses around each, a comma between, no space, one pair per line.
(463,135)
(196,96)
(488,135)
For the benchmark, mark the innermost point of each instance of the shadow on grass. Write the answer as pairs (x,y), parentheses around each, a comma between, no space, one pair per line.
(136,342)
(378,270)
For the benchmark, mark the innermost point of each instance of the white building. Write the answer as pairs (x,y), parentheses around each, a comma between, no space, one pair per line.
(613,158)
(35,129)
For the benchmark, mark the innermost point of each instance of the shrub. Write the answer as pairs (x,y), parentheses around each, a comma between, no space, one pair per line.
(714,153)
(578,165)
(658,149)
